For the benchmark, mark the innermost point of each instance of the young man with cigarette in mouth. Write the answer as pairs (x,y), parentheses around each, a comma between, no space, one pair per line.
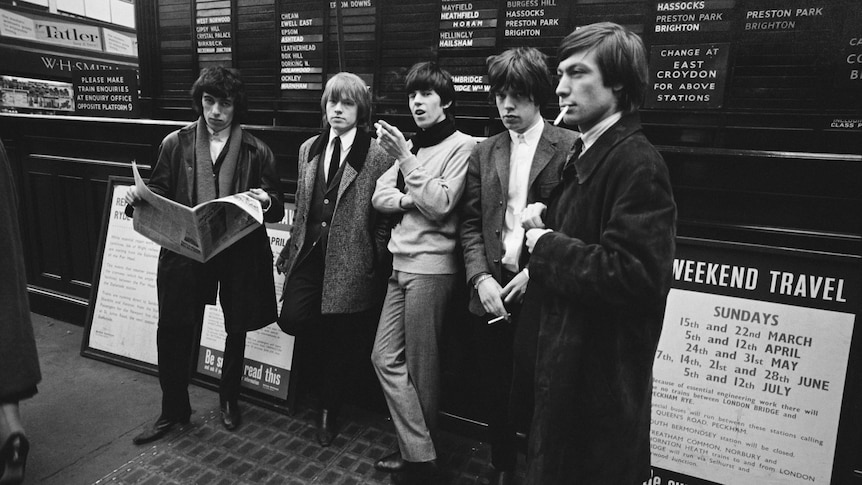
(505,173)
(600,271)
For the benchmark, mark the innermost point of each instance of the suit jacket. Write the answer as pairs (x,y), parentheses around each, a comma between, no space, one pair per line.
(601,281)
(356,257)
(483,205)
(244,270)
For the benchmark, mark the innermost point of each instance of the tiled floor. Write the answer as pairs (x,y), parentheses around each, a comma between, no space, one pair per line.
(271,448)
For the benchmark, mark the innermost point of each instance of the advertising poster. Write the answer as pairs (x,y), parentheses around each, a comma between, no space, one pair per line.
(125,308)
(25,95)
(750,370)
(268,351)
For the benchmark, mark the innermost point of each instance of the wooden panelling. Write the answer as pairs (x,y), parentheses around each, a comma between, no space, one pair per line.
(782,198)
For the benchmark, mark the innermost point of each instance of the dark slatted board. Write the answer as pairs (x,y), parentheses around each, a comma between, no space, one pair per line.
(176,46)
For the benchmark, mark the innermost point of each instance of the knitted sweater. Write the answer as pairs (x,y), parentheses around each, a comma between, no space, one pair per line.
(424,241)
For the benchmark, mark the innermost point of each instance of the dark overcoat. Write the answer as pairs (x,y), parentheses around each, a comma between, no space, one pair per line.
(601,280)
(356,257)
(19,363)
(244,270)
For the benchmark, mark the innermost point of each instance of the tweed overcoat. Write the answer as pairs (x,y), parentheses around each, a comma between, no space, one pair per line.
(356,259)
(601,280)
(19,363)
(483,205)
(244,270)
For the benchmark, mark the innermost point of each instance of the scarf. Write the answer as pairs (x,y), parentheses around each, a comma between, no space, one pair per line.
(206,185)
(427,138)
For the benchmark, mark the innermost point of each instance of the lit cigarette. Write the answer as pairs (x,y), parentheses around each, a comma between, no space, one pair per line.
(560,116)
(501,317)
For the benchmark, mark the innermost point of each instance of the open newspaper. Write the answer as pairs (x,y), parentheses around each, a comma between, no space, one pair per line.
(198,232)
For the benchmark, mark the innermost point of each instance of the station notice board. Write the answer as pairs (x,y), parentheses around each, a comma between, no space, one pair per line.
(123,311)
(751,374)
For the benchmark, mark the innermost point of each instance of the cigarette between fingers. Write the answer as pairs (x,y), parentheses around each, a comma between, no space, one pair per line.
(560,116)
(501,317)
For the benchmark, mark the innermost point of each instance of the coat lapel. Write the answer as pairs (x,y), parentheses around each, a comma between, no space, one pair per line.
(592,158)
(502,153)
(187,142)
(314,153)
(354,162)
(544,152)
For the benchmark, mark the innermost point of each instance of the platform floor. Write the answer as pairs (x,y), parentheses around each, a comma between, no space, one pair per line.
(81,425)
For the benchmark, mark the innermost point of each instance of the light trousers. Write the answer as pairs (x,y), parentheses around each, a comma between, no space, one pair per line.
(406,357)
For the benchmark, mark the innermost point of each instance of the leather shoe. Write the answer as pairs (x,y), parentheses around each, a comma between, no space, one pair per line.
(390,463)
(503,477)
(157,430)
(230,415)
(416,473)
(326,428)
(13,459)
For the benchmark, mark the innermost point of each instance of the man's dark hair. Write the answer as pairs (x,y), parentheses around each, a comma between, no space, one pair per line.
(428,75)
(522,71)
(620,55)
(221,82)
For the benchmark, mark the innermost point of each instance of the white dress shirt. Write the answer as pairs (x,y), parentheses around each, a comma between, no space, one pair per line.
(217,142)
(590,136)
(346,145)
(523,148)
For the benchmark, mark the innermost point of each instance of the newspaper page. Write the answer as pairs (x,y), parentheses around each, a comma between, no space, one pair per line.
(198,232)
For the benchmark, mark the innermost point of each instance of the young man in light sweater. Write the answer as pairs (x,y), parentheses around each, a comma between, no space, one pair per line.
(423,187)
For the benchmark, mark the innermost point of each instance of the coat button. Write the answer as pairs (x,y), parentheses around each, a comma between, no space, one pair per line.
(497,231)
(501,202)
(496,261)
(323,224)
(325,201)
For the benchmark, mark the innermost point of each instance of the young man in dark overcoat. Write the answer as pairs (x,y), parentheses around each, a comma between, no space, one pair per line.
(210,158)
(600,271)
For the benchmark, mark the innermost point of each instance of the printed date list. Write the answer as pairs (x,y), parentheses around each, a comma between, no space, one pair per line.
(747,390)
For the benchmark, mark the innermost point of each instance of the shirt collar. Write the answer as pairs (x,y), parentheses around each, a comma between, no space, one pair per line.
(346,139)
(223,134)
(590,136)
(532,135)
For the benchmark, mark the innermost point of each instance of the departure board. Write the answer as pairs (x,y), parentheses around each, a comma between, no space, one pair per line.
(301,36)
(705,56)
(353,38)
(213,32)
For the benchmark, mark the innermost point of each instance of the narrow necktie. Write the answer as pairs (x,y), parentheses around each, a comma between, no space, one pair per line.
(576,153)
(335,160)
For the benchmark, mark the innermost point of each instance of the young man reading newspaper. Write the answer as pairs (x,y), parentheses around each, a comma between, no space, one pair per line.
(210,158)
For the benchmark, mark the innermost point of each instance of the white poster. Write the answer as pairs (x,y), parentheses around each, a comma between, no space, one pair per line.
(749,376)
(268,351)
(125,310)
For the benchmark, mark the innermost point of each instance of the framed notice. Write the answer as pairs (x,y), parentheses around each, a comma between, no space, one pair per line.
(268,351)
(124,311)
(753,368)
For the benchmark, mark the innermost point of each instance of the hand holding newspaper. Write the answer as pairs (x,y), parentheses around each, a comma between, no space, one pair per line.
(198,232)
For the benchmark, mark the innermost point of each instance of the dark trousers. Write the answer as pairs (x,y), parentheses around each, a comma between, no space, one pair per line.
(175,340)
(507,394)
(333,349)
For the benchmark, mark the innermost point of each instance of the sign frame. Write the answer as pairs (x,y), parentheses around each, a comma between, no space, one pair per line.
(286,406)
(847,436)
